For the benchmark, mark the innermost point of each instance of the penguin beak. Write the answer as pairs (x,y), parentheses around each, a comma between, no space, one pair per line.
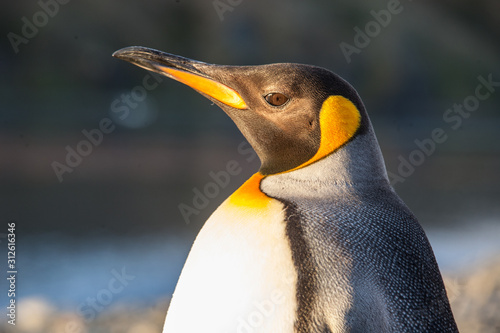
(184,70)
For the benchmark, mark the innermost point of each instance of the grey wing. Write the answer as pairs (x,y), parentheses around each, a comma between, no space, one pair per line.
(365,265)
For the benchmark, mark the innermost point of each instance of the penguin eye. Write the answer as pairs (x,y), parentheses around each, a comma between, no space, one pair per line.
(276,99)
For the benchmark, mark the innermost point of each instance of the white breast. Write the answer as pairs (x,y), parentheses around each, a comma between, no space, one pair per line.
(239,276)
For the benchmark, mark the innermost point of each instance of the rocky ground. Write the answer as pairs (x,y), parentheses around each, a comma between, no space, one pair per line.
(475,298)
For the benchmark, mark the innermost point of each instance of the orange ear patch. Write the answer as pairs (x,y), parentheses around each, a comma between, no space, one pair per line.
(339,120)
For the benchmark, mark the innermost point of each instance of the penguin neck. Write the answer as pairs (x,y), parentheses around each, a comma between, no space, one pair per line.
(358,164)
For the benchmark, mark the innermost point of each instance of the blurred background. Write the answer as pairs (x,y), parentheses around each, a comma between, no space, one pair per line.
(100,238)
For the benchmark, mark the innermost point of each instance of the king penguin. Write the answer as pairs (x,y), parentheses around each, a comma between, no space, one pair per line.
(315,241)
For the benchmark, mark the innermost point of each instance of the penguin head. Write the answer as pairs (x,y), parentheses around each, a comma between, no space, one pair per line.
(292,114)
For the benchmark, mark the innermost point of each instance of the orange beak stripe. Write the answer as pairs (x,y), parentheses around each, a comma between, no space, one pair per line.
(209,87)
